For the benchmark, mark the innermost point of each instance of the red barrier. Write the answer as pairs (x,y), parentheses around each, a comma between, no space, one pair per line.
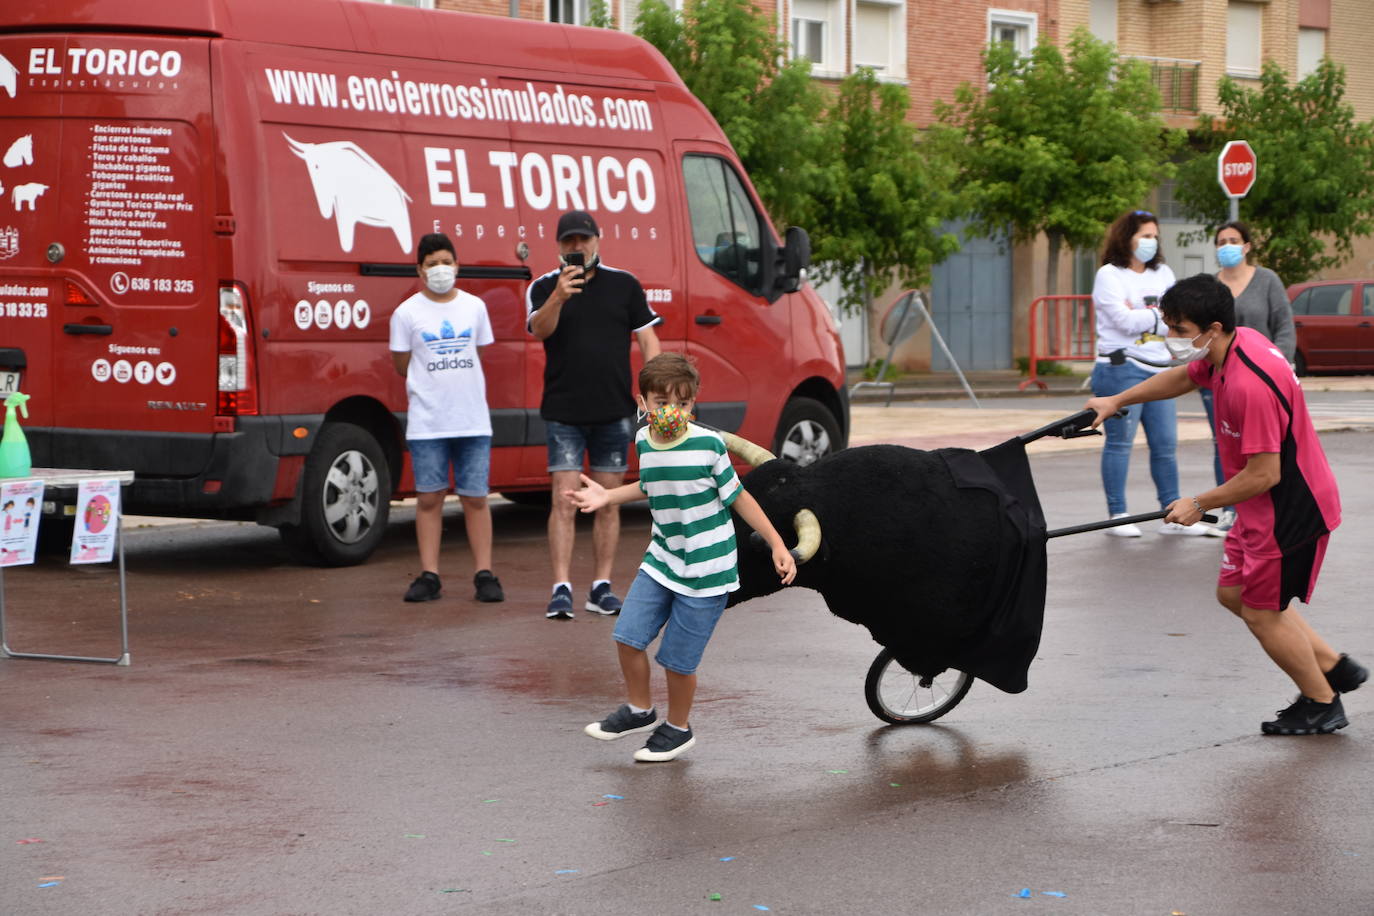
(1062,329)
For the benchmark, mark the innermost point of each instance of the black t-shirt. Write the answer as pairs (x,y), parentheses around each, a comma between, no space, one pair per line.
(587,357)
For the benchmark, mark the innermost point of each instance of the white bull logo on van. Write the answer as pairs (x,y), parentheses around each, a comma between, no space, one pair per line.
(27,194)
(9,76)
(353,188)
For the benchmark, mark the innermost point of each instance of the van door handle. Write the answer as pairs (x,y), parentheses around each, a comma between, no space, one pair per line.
(101,329)
(707,319)
(1364,324)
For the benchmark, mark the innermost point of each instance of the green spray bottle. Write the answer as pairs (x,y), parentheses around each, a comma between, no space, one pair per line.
(15,460)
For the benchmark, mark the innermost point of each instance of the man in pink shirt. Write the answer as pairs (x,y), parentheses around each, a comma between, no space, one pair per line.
(1278,480)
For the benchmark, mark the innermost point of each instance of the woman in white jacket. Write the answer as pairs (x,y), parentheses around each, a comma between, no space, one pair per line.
(1130,348)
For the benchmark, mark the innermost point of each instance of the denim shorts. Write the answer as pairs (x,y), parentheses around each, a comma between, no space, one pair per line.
(689,621)
(469,455)
(606,445)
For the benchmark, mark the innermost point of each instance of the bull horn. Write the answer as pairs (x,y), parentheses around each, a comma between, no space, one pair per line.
(746,450)
(808,535)
(296,146)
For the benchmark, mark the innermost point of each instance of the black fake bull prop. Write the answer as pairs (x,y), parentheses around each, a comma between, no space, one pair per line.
(940,554)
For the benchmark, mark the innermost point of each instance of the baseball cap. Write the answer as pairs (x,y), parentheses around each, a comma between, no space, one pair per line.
(576,222)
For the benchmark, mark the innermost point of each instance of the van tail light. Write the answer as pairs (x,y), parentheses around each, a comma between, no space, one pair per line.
(238,395)
(75,295)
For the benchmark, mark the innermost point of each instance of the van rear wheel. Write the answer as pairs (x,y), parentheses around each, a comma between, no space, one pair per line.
(807,432)
(345,499)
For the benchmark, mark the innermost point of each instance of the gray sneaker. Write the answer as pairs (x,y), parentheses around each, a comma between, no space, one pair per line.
(622,722)
(664,744)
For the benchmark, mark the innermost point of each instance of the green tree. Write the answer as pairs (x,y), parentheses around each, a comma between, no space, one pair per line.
(599,14)
(881,200)
(768,106)
(1056,145)
(1312,193)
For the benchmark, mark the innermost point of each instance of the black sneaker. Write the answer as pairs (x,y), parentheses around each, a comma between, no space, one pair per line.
(425,588)
(560,606)
(488,586)
(622,722)
(603,601)
(1308,717)
(664,744)
(1348,675)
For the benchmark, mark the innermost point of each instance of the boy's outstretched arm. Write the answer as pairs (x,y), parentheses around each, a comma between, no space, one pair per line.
(593,495)
(750,510)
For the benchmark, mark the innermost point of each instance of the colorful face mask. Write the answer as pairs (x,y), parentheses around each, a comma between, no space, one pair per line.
(669,421)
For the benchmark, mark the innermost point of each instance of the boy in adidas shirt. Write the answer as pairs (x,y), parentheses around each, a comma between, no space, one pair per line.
(690,566)
(434,339)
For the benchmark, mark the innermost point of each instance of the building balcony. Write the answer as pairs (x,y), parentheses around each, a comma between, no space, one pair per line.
(1177,81)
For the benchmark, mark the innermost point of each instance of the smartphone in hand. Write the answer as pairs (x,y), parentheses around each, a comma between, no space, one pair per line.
(577,259)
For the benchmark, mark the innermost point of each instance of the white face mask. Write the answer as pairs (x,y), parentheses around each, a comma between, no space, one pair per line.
(440,278)
(1183,350)
(1146,249)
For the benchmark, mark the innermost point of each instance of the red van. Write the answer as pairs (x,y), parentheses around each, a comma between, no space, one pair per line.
(1334,322)
(211,208)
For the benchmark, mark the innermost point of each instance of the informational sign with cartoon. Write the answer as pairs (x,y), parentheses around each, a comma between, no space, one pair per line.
(97,521)
(21,507)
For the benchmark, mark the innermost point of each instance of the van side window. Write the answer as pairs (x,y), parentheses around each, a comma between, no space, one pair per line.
(725,226)
(1369,298)
(1300,302)
(1330,300)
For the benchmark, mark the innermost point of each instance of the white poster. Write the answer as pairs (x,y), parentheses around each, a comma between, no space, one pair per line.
(21,505)
(97,521)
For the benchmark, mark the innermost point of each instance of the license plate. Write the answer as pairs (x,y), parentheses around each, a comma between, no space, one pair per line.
(9,382)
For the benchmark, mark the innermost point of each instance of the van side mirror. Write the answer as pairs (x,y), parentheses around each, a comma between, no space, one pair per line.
(796,257)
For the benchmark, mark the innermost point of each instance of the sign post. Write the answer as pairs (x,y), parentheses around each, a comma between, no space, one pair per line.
(1236,171)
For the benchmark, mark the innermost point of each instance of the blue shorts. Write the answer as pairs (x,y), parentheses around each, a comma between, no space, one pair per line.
(469,455)
(689,620)
(606,445)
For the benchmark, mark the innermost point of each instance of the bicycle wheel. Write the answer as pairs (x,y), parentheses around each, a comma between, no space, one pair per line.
(897,696)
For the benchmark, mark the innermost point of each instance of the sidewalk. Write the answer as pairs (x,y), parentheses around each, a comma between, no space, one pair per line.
(1007,412)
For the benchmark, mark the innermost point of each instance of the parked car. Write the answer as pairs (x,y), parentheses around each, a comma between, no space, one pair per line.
(1334,320)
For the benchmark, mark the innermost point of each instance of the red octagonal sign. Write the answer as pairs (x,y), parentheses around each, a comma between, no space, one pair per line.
(1236,168)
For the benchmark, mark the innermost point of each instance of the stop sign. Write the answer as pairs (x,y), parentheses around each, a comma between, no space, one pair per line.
(1236,168)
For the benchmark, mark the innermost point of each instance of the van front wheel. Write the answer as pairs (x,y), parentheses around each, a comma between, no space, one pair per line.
(345,499)
(807,432)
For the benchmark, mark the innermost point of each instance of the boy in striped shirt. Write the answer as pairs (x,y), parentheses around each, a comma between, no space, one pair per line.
(689,568)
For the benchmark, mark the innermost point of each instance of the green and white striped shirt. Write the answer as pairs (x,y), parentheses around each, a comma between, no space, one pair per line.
(690,485)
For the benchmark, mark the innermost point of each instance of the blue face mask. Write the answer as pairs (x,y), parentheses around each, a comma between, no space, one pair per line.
(1230,255)
(1146,250)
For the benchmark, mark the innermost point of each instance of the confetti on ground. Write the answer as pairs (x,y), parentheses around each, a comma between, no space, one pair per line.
(837,771)
(50,884)
(486,852)
(1053,894)
(895,785)
(1025,892)
(505,841)
(760,906)
(566,871)
(1177,913)
(615,797)
(454,890)
(32,839)
(415,836)
(53,878)
(489,801)
(599,804)
(728,858)
(714,897)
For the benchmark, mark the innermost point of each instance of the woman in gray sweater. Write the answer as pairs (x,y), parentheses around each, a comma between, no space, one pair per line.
(1262,304)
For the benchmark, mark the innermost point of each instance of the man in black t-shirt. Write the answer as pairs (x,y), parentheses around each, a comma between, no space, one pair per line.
(584,316)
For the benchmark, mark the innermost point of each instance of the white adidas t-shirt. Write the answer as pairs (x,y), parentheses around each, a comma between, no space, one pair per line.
(445,384)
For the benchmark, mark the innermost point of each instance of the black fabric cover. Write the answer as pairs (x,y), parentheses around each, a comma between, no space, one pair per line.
(940,554)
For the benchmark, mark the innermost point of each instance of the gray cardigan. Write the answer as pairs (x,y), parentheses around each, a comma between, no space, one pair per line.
(1263,305)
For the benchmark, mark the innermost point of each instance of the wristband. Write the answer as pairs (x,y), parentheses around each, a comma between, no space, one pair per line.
(1198,506)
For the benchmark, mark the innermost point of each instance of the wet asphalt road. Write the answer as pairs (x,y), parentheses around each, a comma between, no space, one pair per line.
(300,741)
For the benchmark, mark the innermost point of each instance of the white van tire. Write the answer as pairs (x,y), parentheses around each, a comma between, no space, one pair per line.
(345,499)
(807,432)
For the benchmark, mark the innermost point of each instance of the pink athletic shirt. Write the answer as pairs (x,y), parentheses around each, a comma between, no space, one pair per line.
(1259,407)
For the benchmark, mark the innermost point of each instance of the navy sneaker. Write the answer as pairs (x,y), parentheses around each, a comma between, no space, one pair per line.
(622,722)
(425,588)
(603,601)
(560,606)
(664,744)
(1348,675)
(488,586)
(1308,717)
